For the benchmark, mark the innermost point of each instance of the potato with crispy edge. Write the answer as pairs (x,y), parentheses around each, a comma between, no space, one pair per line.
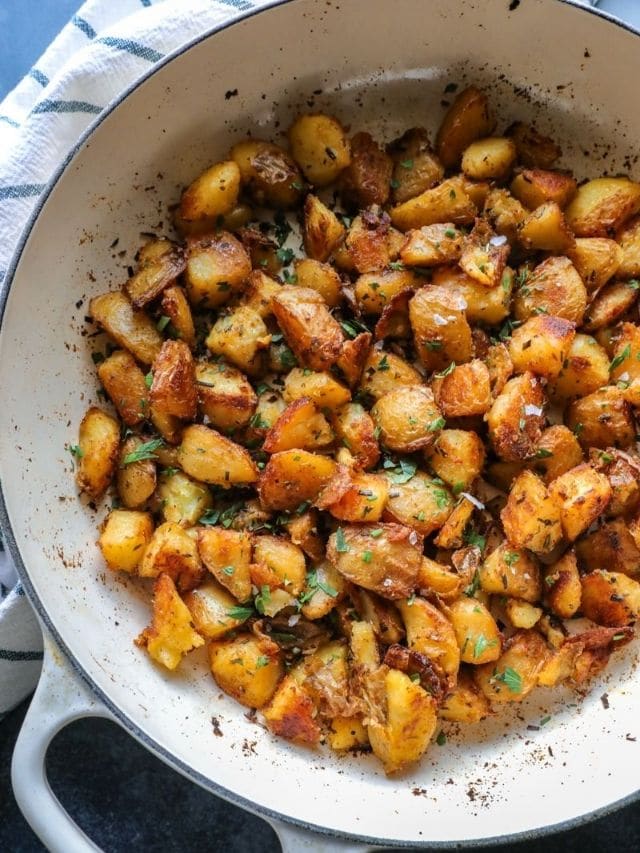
(227,555)
(416,167)
(489,159)
(582,494)
(511,571)
(622,470)
(545,229)
(284,559)
(173,390)
(457,457)
(614,300)
(534,187)
(484,255)
(207,456)
(217,267)
(432,245)
(293,476)
(374,291)
(210,605)
(602,419)
(476,631)
(505,213)
(466,704)
(133,330)
(466,120)
(310,330)
(363,499)
(421,503)
(268,174)
(408,418)
(584,370)
(170,635)
(521,614)
(385,562)
(516,418)
(320,147)
(324,589)
(625,364)
(355,428)
(431,633)
(515,673)
(610,598)
(241,337)
(385,371)
(319,277)
(597,259)
(160,262)
(440,328)
(562,588)
(602,205)
(322,231)
(628,238)
(301,425)
(247,667)
(173,552)
(487,305)
(367,241)
(447,202)
(182,499)
(135,480)
(463,390)
(558,450)
(124,537)
(531,517)
(534,149)
(319,386)
(213,193)
(225,395)
(553,287)
(541,345)
(175,306)
(613,546)
(124,383)
(292,713)
(367,178)
(96,453)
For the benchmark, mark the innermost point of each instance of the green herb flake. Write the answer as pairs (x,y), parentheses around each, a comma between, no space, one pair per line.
(511,679)
(511,558)
(415,677)
(143,452)
(229,570)
(442,738)
(342,546)
(474,586)
(617,361)
(482,644)
(148,379)
(606,457)
(435,425)
(367,556)
(578,429)
(240,612)
(404,471)
(262,661)
(545,720)
(383,364)
(433,346)
(543,453)
(394,184)
(447,371)
(406,164)
(376,534)
(162,323)
(285,256)
(76,451)
(450,232)
(262,598)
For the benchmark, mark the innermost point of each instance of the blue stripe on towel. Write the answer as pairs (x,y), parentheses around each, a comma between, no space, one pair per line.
(10,121)
(8,654)
(83,26)
(49,106)
(39,77)
(133,47)
(21,191)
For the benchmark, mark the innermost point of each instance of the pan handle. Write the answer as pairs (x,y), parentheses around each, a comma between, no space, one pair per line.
(60,698)
(294,839)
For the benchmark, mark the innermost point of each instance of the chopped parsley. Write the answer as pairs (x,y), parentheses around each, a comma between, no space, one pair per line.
(143,452)
(617,361)
(341,543)
(446,371)
(511,679)
(367,556)
(240,612)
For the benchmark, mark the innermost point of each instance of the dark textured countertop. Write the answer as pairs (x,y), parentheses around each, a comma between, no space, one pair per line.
(122,796)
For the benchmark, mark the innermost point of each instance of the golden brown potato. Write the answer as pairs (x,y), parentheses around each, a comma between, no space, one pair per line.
(476,631)
(444,581)
(545,229)
(169,426)
(262,249)
(217,267)
(584,369)
(484,255)
(467,119)
(294,476)
(603,205)
(292,713)
(320,147)
(629,249)
(239,215)
(610,598)
(310,330)
(386,562)
(554,287)
(534,149)
(207,456)
(375,291)
(171,634)
(363,499)
(457,457)
(513,572)
(175,308)
(353,357)
(431,633)
(452,532)
(355,428)
(347,733)
(558,450)
(385,371)
(623,473)
(160,262)
(241,337)
(463,390)
(210,606)
(320,387)
(135,480)
(173,552)
(416,167)
(487,305)
(322,231)
(447,202)
(534,187)
(284,559)
(325,588)
(515,673)
(516,418)
(227,555)
(420,502)
(583,495)
(466,704)
(182,499)
(213,193)
(268,173)
(301,425)
(541,345)
(432,245)
(613,546)
(259,291)
(602,419)
(440,328)
(562,588)
(625,364)
(224,395)
(367,178)
(367,241)
(124,383)
(614,300)
(408,418)
(320,277)
(173,390)
(531,518)
(505,213)
(247,668)
(129,328)
(124,537)
(521,614)
(596,259)
(96,453)
(489,159)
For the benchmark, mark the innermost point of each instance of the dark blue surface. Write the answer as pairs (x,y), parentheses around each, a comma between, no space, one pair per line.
(122,796)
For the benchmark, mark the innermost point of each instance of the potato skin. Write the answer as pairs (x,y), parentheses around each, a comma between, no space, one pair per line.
(206,455)
(241,337)
(447,202)
(310,330)
(467,119)
(123,538)
(322,230)
(613,545)
(583,495)
(490,158)
(212,194)
(175,306)
(209,606)
(385,371)
(356,429)
(217,267)
(367,178)
(554,287)
(597,259)
(133,330)
(225,395)
(247,668)
(515,420)
(268,173)
(172,552)
(387,563)
(420,503)
(222,549)
(465,391)
(320,387)
(320,277)
(124,383)
(610,598)
(457,457)
(431,633)
(584,369)
(602,419)
(97,454)
(562,587)
(424,171)
(320,146)
(532,516)
(534,187)
(438,343)
(534,149)
(301,425)
(160,262)
(408,419)
(173,390)
(510,571)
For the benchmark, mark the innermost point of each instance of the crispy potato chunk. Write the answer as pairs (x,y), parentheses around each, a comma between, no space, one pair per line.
(466,704)
(432,245)
(602,419)
(131,329)
(597,259)
(562,586)
(135,481)
(625,365)
(209,606)
(268,173)
(347,733)
(375,291)
(489,159)
(408,418)
(516,418)
(171,634)
(367,178)
(513,572)
(554,287)
(213,193)
(241,337)
(310,330)
(463,391)
(123,538)
(363,499)
(583,495)
(558,450)
(431,633)
(476,631)
(224,395)
(629,258)
(521,614)
(487,305)
(175,305)
(610,598)
(457,457)
(451,534)
(603,205)
(385,371)
(227,555)
(385,562)
(546,229)
(445,581)
(356,430)
(173,390)
(467,119)
(284,559)
(531,518)
(160,262)
(584,369)
(440,328)
(300,425)
(293,476)
(420,502)
(541,345)
(124,383)
(368,241)
(211,458)
(248,668)
(614,300)
(259,291)
(172,552)
(217,267)
(534,149)
(353,357)
(292,714)
(322,231)
(613,545)
(484,256)
(416,167)
(325,588)
(183,500)
(320,387)
(515,673)
(623,473)
(320,277)
(534,187)
(447,202)
(505,213)
(320,146)
(96,453)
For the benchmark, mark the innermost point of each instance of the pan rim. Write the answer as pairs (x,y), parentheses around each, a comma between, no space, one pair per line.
(123,719)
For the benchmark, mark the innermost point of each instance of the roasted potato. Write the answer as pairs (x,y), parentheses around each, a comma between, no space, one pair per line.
(516,418)
(322,231)
(96,452)
(467,119)
(210,606)
(554,287)
(227,555)
(293,476)
(214,193)
(597,259)
(268,173)
(532,516)
(534,149)
(171,634)
(217,267)
(534,187)
(513,572)
(541,345)
(356,429)
(545,229)
(207,456)
(320,387)
(457,457)
(440,328)
(432,245)
(173,552)
(241,337)
(124,537)
(408,418)
(515,673)
(133,330)
(463,390)
(320,277)
(384,372)
(182,499)
(247,668)
(614,545)
(610,598)
(135,479)
(611,303)
(584,369)
(416,167)
(367,178)
(421,502)
(602,205)
(124,383)
(489,159)
(486,305)
(173,390)
(476,631)
(320,147)
(447,202)
(602,419)
(310,330)
(562,588)
(225,395)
